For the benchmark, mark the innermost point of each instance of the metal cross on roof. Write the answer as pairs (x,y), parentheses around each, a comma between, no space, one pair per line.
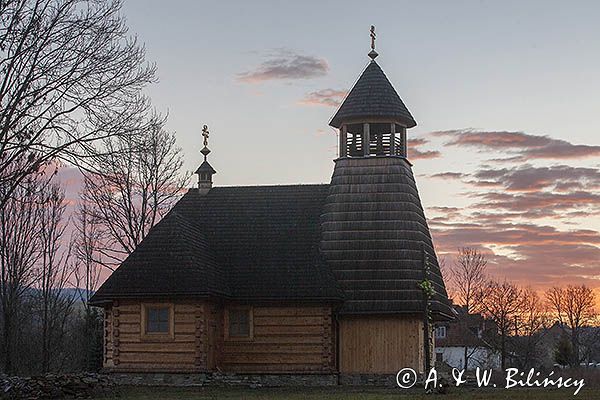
(373,37)
(205,134)
(373,54)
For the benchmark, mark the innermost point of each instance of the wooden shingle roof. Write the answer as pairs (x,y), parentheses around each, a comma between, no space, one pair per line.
(374,237)
(174,259)
(373,96)
(249,243)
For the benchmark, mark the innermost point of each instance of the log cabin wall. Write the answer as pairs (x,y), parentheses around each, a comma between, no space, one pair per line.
(126,349)
(380,344)
(285,340)
(108,339)
(213,336)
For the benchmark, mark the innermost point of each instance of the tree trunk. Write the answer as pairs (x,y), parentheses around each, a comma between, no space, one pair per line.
(575,343)
(503,350)
(7,336)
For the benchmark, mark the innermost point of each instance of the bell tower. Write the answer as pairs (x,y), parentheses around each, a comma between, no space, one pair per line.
(375,236)
(373,119)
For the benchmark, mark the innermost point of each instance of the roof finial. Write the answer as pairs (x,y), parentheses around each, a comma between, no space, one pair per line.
(373,54)
(205,133)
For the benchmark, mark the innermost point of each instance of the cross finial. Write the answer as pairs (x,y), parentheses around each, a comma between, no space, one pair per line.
(373,54)
(205,134)
(373,36)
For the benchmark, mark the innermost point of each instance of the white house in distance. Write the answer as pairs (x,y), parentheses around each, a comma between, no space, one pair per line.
(464,338)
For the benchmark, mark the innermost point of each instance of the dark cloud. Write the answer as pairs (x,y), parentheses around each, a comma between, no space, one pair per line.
(549,202)
(448,175)
(558,192)
(524,146)
(528,178)
(324,97)
(286,64)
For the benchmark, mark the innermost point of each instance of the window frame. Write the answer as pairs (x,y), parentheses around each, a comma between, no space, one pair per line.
(250,312)
(439,330)
(170,335)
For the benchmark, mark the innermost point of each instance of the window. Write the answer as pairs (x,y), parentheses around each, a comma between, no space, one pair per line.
(239,323)
(440,332)
(157,320)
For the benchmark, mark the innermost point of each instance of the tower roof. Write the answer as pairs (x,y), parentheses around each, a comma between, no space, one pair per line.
(206,167)
(373,96)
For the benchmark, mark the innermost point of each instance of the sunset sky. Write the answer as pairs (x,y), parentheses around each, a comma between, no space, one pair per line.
(506,96)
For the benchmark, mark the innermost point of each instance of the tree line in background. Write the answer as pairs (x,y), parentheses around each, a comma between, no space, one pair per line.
(71,93)
(522,316)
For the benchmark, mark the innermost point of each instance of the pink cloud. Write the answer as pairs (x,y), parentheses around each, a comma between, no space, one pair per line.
(541,255)
(286,65)
(525,146)
(415,153)
(324,97)
(529,178)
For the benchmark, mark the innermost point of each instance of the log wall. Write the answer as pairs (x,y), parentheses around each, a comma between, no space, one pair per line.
(126,350)
(381,344)
(286,339)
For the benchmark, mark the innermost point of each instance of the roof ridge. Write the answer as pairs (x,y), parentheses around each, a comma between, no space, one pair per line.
(276,185)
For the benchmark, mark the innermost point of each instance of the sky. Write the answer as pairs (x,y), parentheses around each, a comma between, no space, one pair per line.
(506,152)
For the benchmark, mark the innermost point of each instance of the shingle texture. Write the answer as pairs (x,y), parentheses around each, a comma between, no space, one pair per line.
(174,259)
(375,235)
(373,96)
(257,243)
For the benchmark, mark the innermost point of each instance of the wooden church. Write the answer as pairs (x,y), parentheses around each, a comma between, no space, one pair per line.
(290,279)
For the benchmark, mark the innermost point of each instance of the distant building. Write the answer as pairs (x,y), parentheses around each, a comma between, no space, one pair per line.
(465,338)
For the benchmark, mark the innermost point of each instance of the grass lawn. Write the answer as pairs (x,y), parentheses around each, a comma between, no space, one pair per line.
(166,393)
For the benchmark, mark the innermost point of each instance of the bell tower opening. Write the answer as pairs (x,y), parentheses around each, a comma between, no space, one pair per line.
(372,139)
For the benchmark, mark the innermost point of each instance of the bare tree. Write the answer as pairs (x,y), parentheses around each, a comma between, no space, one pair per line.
(140,181)
(19,253)
(529,324)
(88,261)
(88,268)
(468,275)
(70,77)
(54,273)
(501,302)
(573,306)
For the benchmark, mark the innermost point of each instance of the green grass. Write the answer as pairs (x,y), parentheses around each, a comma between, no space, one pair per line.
(338,393)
